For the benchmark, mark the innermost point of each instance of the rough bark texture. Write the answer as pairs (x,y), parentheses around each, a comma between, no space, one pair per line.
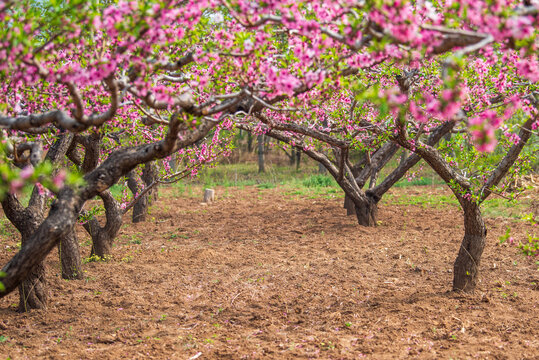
(69,252)
(367,211)
(349,205)
(33,288)
(466,267)
(26,267)
(149,175)
(103,237)
(136,185)
(33,293)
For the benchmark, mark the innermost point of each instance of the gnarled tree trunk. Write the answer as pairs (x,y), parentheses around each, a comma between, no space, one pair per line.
(466,267)
(367,210)
(70,256)
(33,293)
(136,185)
(103,237)
(33,289)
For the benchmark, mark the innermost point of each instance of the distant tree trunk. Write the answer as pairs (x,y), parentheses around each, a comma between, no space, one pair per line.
(260,139)
(404,156)
(70,256)
(172,162)
(149,175)
(292,156)
(466,266)
(250,142)
(136,185)
(322,169)
(298,159)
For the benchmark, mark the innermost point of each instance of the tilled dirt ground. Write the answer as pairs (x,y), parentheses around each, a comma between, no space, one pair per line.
(265,274)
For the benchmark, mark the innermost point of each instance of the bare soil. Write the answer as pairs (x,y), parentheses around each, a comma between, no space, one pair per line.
(265,274)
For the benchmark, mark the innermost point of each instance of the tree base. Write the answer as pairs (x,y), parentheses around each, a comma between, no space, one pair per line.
(466,267)
(367,214)
(33,291)
(70,257)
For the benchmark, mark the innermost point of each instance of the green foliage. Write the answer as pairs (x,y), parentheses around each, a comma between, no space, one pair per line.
(529,246)
(266,186)
(95,258)
(318,181)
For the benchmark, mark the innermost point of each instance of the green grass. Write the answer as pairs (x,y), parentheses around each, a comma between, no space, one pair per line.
(493,207)
(307,182)
(246,174)
(421,181)
(6,228)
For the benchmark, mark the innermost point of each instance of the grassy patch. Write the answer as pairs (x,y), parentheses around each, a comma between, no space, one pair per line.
(493,207)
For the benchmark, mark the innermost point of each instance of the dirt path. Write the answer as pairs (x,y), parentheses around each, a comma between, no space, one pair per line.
(263,274)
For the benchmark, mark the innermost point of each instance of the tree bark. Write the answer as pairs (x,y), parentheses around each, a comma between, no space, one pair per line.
(33,288)
(291,156)
(367,211)
(149,175)
(250,142)
(33,292)
(136,185)
(466,267)
(260,140)
(69,251)
(103,237)
(349,205)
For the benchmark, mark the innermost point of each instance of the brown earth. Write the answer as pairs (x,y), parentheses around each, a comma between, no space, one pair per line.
(265,274)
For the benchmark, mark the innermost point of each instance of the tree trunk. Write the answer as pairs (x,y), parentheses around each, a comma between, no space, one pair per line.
(135,184)
(250,142)
(404,156)
(140,210)
(33,292)
(101,244)
(260,140)
(349,205)
(466,267)
(298,159)
(292,156)
(322,169)
(172,162)
(70,256)
(103,237)
(374,178)
(367,211)
(149,175)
